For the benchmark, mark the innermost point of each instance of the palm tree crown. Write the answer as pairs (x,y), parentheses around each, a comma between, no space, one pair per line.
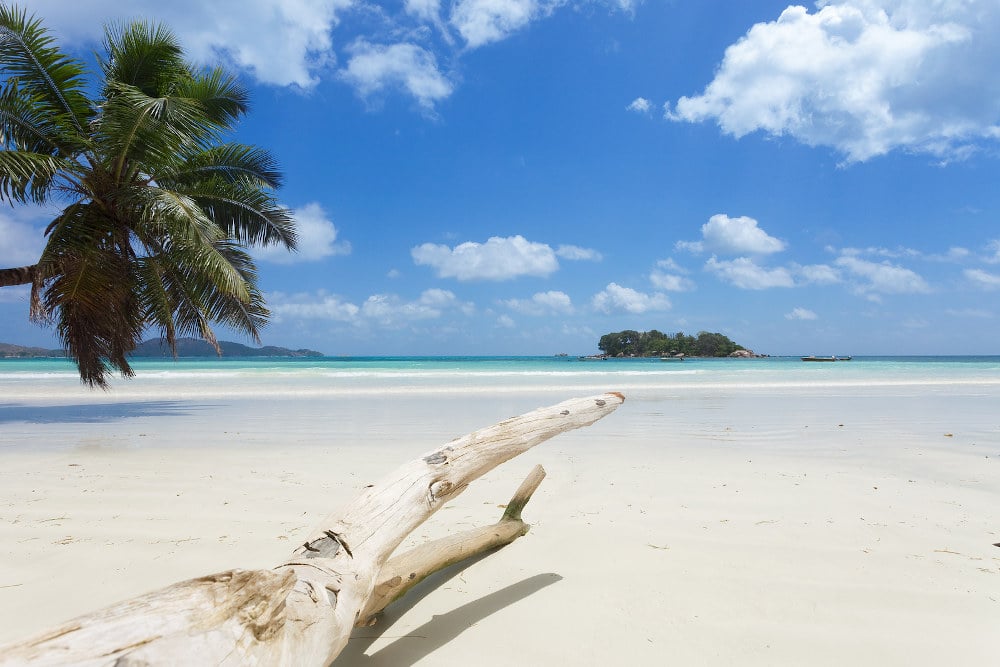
(156,207)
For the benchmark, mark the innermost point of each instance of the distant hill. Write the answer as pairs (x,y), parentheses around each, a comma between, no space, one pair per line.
(7,350)
(195,347)
(186,347)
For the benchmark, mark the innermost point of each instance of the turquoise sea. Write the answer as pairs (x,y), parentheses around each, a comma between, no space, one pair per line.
(49,378)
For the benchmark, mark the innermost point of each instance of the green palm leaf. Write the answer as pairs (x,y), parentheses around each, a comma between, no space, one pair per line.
(158,207)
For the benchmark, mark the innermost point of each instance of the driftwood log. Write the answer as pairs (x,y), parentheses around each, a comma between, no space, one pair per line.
(302,611)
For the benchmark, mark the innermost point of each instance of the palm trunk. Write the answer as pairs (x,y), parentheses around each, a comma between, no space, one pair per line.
(28,275)
(22,275)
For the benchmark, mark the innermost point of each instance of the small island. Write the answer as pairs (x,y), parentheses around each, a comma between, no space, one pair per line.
(655,343)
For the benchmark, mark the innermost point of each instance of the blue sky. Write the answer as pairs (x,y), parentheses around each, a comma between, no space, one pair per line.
(522,176)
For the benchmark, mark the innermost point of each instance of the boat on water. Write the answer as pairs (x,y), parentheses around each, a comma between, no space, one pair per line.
(814,358)
(678,357)
(594,357)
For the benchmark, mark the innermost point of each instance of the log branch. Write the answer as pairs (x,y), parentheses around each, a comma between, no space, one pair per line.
(403,572)
(302,611)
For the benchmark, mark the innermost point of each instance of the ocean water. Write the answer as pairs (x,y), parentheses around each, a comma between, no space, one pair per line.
(53,379)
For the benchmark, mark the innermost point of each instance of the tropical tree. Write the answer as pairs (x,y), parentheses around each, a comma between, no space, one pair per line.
(155,207)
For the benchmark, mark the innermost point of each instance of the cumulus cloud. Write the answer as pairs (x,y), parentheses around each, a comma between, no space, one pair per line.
(742,272)
(801,314)
(670,282)
(883,277)
(390,309)
(317,239)
(542,303)
(383,309)
(862,76)
(500,258)
(373,68)
(481,22)
(818,274)
(279,42)
(573,252)
(639,105)
(983,279)
(296,42)
(318,306)
(614,298)
(733,236)
(22,235)
(426,10)
(993,247)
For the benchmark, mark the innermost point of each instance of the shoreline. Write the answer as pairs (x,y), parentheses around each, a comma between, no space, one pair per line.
(758,527)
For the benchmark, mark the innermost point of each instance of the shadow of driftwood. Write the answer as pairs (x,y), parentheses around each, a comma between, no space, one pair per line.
(441,629)
(92,413)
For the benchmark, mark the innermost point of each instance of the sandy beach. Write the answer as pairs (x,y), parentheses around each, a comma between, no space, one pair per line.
(712,526)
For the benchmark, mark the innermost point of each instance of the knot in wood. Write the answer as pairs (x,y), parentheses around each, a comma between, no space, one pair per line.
(438,457)
(565,413)
(601,402)
(439,489)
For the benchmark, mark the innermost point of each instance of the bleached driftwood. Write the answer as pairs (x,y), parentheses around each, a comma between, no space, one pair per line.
(302,611)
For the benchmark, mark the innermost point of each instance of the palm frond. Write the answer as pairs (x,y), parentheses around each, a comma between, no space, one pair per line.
(159,217)
(229,161)
(137,132)
(245,213)
(55,80)
(224,99)
(28,177)
(25,125)
(143,55)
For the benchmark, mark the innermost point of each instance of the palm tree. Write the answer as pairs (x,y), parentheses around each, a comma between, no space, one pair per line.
(157,208)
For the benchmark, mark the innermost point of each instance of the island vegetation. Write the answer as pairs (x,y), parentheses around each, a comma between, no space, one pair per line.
(655,343)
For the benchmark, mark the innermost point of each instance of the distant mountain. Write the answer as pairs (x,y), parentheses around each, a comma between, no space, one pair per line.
(195,347)
(186,347)
(8,350)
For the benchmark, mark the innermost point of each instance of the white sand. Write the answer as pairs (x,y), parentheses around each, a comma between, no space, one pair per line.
(715,528)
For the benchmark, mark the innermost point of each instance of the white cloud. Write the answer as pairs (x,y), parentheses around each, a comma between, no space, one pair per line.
(500,258)
(956,254)
(317,239)
(969,312)
(280,42)
(818,274)
(670,281)
(481,22)
(614,297)
(389,309)
(670,265)
(883,277)
(426,10)
(983,279)
(318,306)
(542,303)
(733,236)
(994,248)
(573,252)
(373,68)
(862,76)
(22,235)
(382,309)
(801,314)
(639,105)
(506,322)
(742,272)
